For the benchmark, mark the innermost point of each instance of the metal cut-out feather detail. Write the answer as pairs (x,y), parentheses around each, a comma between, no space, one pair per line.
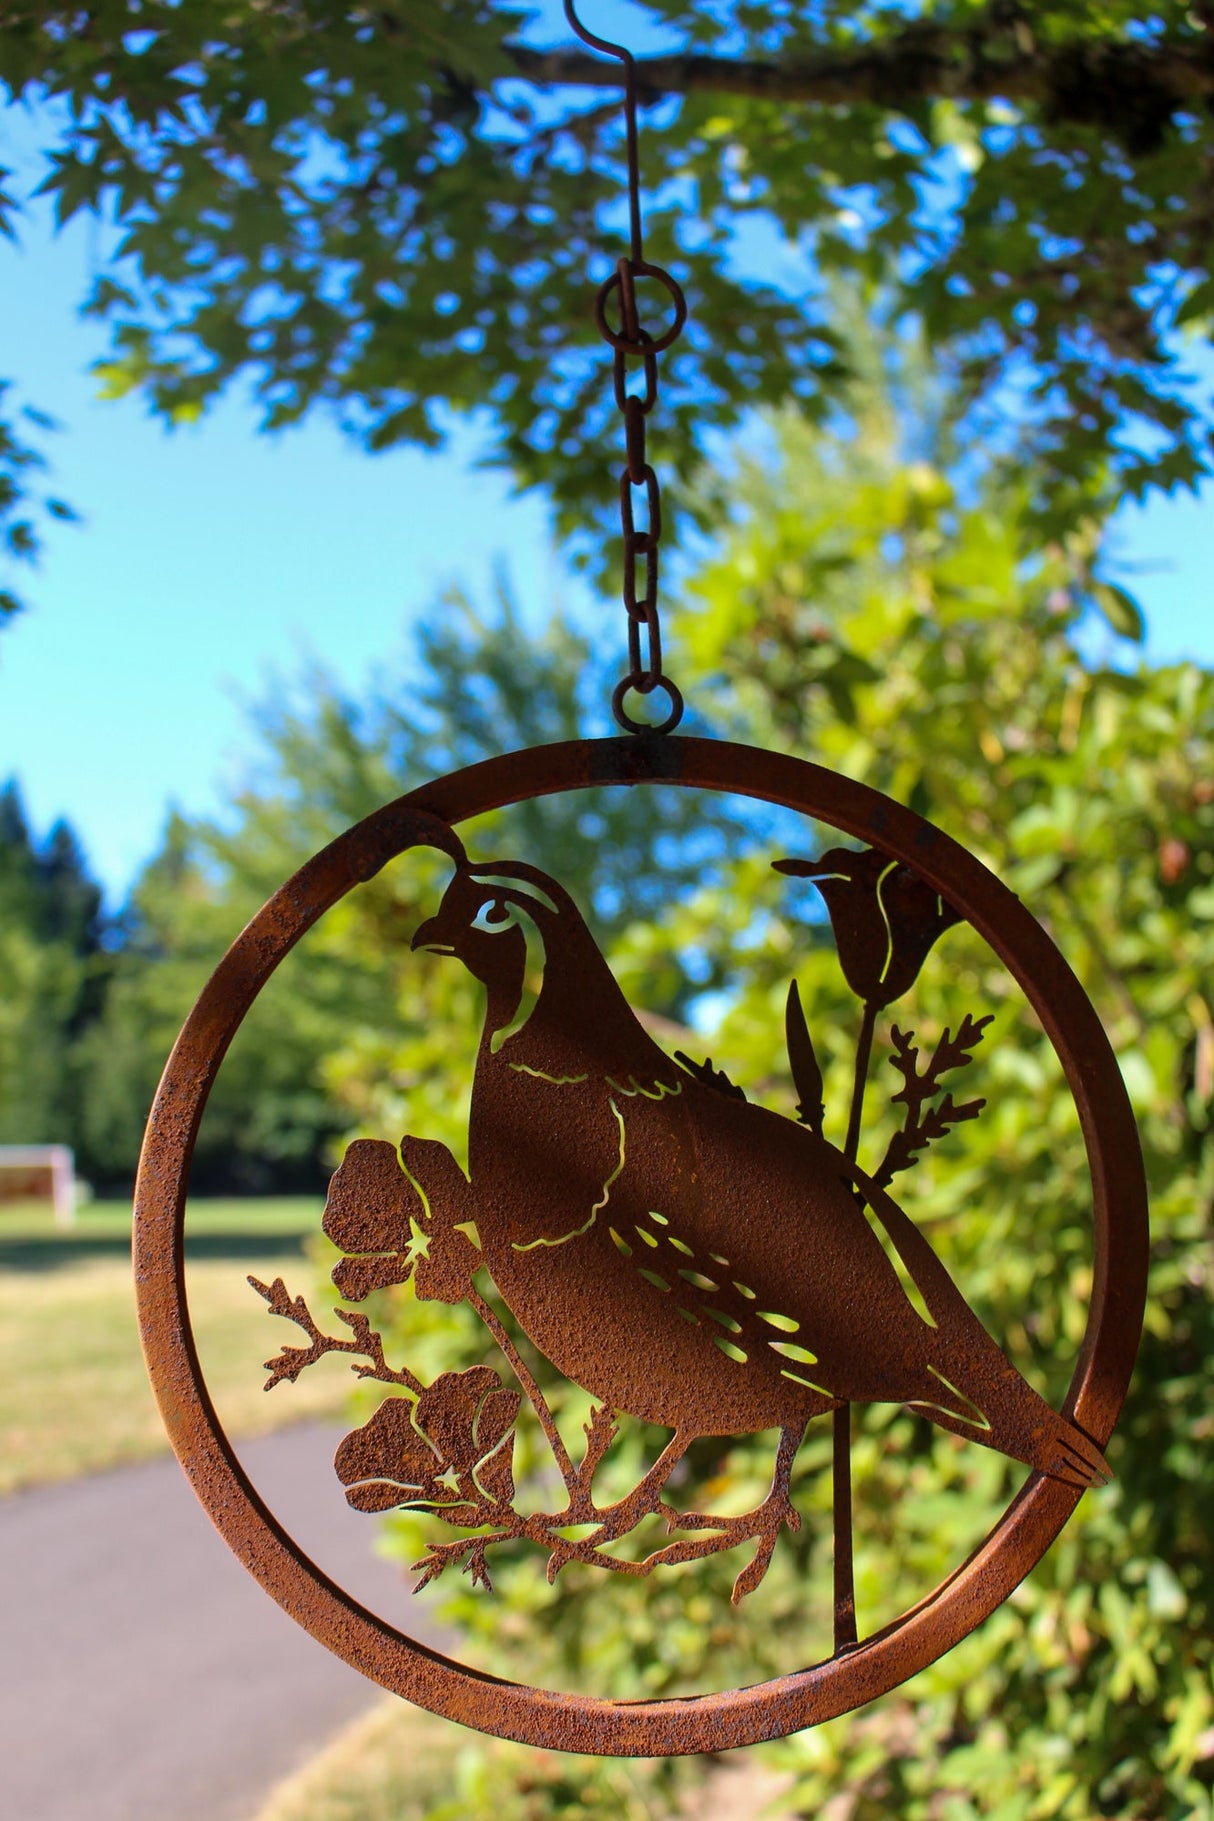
(532,1245)
(790,1350)
(785,1322)
(502,882)
(726,1321)
(661,1090)
(556,1081)
(711,1077)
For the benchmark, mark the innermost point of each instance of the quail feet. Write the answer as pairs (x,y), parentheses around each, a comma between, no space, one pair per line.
(600,1431)
(717,1534)
(763,1524)
(645,1499)
(616,1521)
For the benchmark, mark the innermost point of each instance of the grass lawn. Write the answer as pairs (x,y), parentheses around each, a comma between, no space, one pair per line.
(74,1397)
(398,1763)
(395,1763)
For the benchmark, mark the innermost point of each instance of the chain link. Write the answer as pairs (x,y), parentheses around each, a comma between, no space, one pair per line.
(640,491)
(639,487)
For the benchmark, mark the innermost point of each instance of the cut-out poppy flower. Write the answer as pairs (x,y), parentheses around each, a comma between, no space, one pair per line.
(378,1212)
(452,1452)
(885,918)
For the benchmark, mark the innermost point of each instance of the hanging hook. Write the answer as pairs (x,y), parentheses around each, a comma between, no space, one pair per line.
(630,123)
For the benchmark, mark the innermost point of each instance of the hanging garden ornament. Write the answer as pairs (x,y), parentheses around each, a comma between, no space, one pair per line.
(690,1258)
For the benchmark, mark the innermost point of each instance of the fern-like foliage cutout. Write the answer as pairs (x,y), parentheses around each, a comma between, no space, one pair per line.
(925,1123)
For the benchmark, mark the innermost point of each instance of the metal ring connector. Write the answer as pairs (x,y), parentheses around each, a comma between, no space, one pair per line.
(646,686)
(641,269)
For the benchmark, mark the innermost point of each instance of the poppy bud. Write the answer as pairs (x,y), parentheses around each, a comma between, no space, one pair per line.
(884,916)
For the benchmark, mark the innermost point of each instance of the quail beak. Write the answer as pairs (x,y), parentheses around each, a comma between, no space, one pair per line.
(425,937)
(809,869)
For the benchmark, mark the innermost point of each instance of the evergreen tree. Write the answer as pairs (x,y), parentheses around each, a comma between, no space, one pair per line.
(53,971)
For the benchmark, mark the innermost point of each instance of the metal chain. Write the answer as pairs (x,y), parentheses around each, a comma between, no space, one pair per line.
(630,341)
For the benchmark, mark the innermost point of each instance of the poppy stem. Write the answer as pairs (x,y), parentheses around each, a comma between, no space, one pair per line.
(864,1050)
(845,1579)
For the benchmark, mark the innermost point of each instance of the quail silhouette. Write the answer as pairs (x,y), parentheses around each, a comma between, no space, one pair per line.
(688,1257)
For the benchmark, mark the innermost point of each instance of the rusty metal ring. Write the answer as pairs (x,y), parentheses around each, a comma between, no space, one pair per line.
(711,1722)
(644,686)
(652,344)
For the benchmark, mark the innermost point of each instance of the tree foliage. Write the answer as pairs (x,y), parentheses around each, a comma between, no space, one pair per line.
(862,611)
(394,212)
(23,509)
(1086,787)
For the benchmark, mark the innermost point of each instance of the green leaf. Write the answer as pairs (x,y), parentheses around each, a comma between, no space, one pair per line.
(1165,1595)
(1120,610)
(1198,304)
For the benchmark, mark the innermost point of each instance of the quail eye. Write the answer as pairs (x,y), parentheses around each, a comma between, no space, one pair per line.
(487,920)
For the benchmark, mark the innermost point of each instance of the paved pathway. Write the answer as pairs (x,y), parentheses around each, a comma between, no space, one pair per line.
(144,1676)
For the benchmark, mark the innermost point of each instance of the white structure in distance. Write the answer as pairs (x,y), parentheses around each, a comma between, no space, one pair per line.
(34,1170)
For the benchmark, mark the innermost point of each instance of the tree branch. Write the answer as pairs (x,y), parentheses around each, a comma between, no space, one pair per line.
(287,1365)
(1109,82)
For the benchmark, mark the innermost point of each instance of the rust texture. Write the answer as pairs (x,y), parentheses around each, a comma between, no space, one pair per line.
(692,1259)
(689,1258)
(630,340)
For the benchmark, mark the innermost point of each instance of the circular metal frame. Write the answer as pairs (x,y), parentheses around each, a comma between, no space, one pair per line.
(711,1722)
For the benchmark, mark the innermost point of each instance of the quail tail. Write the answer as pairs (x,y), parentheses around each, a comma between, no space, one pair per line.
(1023,1426)
(976,1391)
(1067,1454)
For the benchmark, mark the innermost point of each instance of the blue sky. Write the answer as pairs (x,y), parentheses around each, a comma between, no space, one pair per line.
(211,558)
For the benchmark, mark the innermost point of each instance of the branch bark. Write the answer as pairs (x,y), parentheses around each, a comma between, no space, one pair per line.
(1087,81)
